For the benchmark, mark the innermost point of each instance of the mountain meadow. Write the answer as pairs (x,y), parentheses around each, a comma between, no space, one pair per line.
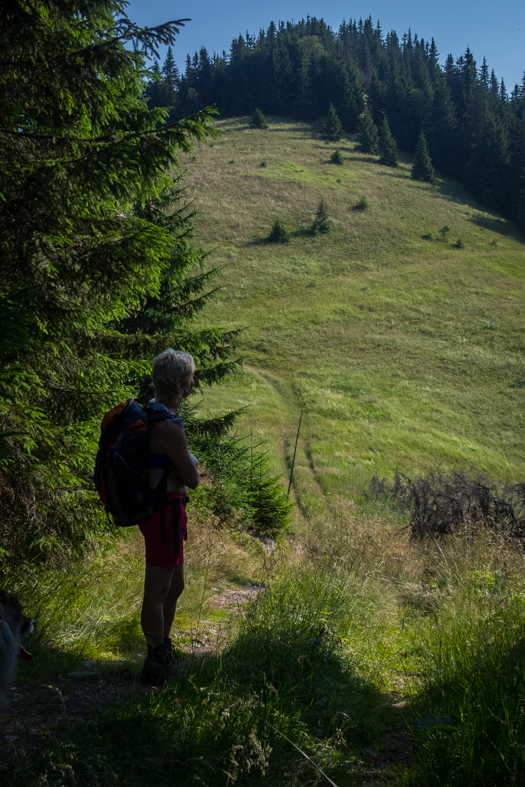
(354,653)
(354,610)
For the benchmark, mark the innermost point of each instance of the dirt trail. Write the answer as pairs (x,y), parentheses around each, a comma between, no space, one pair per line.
(35,712)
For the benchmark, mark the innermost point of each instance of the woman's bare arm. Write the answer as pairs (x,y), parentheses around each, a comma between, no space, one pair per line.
(171,439)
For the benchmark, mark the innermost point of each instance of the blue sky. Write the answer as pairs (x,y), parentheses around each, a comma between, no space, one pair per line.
(493,30)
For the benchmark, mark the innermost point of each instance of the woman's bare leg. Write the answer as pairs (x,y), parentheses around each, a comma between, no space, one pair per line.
(170,602)
(157,585)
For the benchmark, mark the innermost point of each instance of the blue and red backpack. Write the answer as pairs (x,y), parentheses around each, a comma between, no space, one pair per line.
(121,465)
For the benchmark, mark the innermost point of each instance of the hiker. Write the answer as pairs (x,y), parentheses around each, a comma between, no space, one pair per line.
(165,531)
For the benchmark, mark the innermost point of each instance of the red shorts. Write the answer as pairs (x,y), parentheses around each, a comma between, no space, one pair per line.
(158,553)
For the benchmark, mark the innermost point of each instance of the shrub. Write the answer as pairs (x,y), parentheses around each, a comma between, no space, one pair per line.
(362,204)
(279,233)
(267,500)
(321,223)
(337,158)
(423,169)
(258,120)
(459,244)
(387,146)
(332,129)
(440,503)
(367,134)
(243,489)
(263,163)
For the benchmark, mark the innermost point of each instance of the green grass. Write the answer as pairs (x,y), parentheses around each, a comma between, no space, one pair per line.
(403,352)
(303,683)
(295,688)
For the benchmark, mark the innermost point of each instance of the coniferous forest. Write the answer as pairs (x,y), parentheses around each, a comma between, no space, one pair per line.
(474,127)
(99,271)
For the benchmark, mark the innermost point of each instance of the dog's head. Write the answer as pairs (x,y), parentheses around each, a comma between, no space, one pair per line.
(11,614)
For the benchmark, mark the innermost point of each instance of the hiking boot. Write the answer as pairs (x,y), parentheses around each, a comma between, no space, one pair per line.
(173,656)
(157,666)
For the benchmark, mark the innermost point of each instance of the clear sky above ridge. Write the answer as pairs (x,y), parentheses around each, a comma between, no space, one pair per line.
(493,30)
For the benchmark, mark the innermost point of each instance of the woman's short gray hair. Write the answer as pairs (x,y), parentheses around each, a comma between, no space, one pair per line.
(170,370)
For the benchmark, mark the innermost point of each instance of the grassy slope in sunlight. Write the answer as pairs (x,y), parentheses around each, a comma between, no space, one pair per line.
(403,350)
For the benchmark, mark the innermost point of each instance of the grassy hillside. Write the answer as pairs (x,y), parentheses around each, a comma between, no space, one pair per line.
(404,347)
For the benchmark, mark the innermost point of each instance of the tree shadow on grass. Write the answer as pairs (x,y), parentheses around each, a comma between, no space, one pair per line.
(303,232)
(499,225)
(280,702)
(264,242)
(455,192)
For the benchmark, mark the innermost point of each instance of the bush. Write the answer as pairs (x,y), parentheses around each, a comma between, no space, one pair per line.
(243,489)
(279,233)
(423,169)
(459,244)
(387,146)
(440,503)
(332,129)
(321,223)
(258,120)
(362,204)
(337,158)
(267,499)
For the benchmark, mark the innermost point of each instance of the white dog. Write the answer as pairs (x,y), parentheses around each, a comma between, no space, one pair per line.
(12,625)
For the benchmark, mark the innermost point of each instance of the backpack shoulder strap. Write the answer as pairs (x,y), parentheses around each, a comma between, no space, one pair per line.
(159,412)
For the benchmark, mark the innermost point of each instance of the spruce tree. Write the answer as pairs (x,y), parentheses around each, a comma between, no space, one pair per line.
(332,129)
(278,233)
(443,129)
(520,212)
(488,169)
(422,169)
(387,146)
(321,223)
(171,76)
(93,240)
(258,120)
(376,99)
(367,135)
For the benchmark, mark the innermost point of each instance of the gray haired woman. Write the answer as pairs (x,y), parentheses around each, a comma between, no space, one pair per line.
(165,532)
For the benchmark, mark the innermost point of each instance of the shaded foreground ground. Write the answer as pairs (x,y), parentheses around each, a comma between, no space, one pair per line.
(270,689)
(350,656)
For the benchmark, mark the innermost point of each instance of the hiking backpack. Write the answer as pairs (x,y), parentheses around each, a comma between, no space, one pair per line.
(121,465)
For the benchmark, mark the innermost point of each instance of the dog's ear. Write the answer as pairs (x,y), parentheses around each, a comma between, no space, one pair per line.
(9,606)
(27,625)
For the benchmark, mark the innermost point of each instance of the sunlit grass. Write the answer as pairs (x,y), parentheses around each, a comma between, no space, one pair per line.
(402,351)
